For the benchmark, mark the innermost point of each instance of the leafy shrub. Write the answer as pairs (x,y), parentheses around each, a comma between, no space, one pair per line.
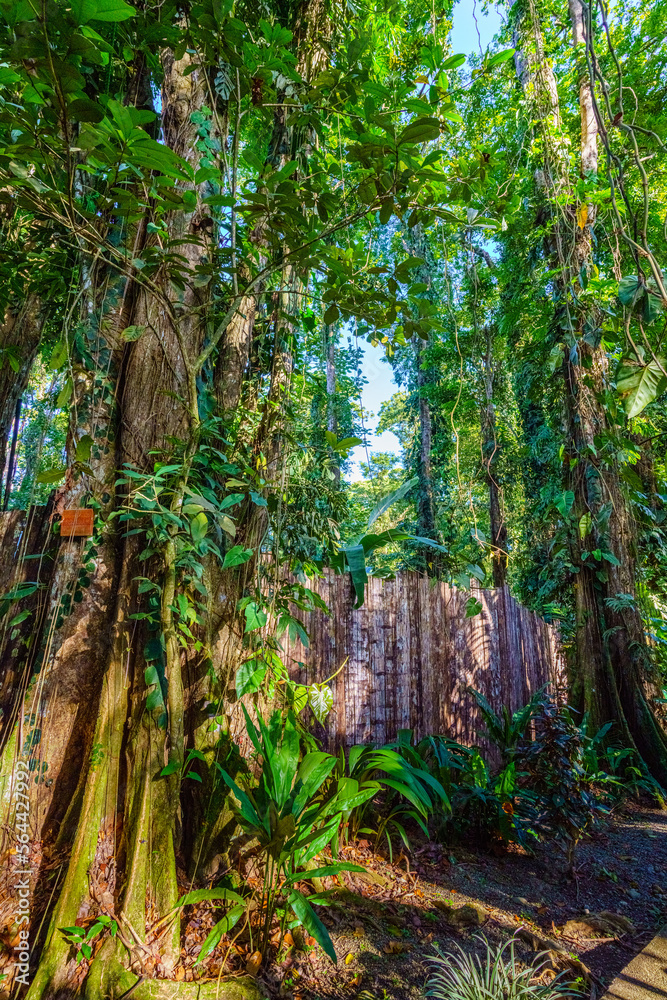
(614,769)
(286,810)
(483,804)
(410,791)
(553,765)
(458,976)
(507,730)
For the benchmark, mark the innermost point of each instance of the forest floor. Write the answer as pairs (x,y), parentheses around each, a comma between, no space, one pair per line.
(385,924)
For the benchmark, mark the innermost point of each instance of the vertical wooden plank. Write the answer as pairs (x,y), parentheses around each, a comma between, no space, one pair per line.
(403,653)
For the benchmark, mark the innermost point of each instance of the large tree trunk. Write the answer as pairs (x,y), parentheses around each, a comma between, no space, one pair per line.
(79,713)
(609,676)
(106,696)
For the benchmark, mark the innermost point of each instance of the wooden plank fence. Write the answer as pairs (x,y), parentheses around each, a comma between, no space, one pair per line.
(413,654)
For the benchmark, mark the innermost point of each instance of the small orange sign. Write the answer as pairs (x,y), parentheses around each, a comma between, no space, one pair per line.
(77,523)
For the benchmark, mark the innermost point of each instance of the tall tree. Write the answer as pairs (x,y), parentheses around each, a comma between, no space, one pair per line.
(609,678)
(186,251)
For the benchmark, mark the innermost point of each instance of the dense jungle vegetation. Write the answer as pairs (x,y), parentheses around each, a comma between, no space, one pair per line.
(207,209)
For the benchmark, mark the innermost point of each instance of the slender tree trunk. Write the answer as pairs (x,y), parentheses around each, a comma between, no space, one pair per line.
(490,456)
(330,361)
(20,334)
(425,503)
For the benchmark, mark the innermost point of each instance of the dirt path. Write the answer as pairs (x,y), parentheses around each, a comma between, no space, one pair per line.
(385,924)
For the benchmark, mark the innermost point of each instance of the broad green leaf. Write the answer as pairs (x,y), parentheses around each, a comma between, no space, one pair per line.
(236,557)
(222,927)
(65,393)
(21,617)
(307,917)
(84,110)
(50,475)
(564,502)
(132,333)
(254,617)
(473,607)
(249,676)
(453,62)
(171,768)
(500,57)
(629,290)
(639,385)
(422,130)
(356,561)
(585,525)
(199,527)
(321,701)
(299,697)
(83,448)
(101,10)
(331,315)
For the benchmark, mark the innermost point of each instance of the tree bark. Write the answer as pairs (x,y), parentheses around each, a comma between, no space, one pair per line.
(330,362)
(490,455)
(20,333)
(610,678)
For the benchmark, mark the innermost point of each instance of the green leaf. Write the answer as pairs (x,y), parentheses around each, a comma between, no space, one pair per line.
(204,895)
(473,607)
(65,393)
(639,384)
(500,57)
(422,130)
(50,475)
(454,62)
(171,768)
(254,617)
(236,557)
(21,617)
(585,525)
(320,699)
(199,527)
(386,211)
(391,498)
(345,444)
(356,561)
(101,10)
(83,448)
(132,333)
(343,866)
(222,927)
(83,110)
(629,290)
(564,503)
(307,917)
(249,676)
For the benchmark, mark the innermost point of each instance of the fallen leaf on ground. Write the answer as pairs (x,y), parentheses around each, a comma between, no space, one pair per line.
(395,948)
(253,963)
